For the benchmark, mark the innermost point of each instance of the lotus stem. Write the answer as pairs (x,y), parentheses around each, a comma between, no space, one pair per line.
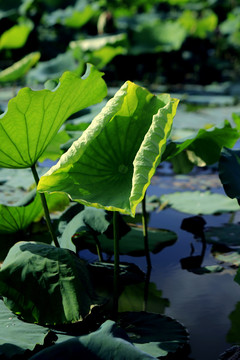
(116,264)
(145,233)
(45,208)
(146,289)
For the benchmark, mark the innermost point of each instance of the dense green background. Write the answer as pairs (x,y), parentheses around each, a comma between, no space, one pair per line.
(160,41)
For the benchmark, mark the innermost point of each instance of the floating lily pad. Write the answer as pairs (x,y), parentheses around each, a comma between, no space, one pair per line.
(231,257)
(155,334)
(210,269)
(228,234)
(17,336)
(197,202)
(133,243)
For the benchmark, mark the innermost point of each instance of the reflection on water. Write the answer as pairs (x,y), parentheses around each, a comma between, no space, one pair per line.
(207,305)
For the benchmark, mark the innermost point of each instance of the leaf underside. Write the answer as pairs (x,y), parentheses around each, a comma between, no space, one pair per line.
(110,166)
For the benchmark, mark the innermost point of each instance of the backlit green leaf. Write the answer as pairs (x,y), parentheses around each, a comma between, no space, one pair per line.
(34,117)
(206,144)
(112,163)
(16,36)
(15,218)
(45,284)
(53,151)
(19,68)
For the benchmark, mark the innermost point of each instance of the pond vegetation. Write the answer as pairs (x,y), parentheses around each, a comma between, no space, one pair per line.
(81,153)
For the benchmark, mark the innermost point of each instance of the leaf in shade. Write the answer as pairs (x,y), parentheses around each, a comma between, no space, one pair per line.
(112,163)
(229,172)
(84,221)
(233,335)
(19,68)
(45,284)
(133,297)
(38,115)
(200,203)
(17,336)
(132,243)
(158,335)
(107,343)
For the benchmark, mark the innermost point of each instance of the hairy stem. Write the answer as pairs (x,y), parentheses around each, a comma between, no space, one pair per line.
(145,233)
(45,208)
(116,264)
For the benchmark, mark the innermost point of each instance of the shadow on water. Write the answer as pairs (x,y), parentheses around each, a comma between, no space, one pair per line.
(206,303)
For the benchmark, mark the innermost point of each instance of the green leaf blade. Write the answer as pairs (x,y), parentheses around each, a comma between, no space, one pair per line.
(34,117)
(62,289)
(110,166)
(229,172)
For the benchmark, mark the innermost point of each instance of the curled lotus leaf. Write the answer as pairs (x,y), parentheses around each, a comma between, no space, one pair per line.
(111,165)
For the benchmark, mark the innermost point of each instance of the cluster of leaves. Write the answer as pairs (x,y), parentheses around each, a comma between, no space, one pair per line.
(112,180)
(200,37)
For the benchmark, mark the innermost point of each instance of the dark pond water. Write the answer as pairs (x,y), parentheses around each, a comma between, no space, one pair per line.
(202,303)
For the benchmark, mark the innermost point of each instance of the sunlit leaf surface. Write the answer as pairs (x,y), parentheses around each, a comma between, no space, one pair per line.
(112,163)
(34,117)
(19,68)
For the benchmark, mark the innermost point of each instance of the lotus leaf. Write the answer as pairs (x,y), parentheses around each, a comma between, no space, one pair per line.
(111,165)
(200,203)
(133,243)
(19,68)
(16,36)
(229,172)
(15,218)
(228,235)
(17,336)
(45,284)
(155,334)
(34,117)
(133,297)
(53,68)
(53,150)
(214,138)
(227,255)
(107,343)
